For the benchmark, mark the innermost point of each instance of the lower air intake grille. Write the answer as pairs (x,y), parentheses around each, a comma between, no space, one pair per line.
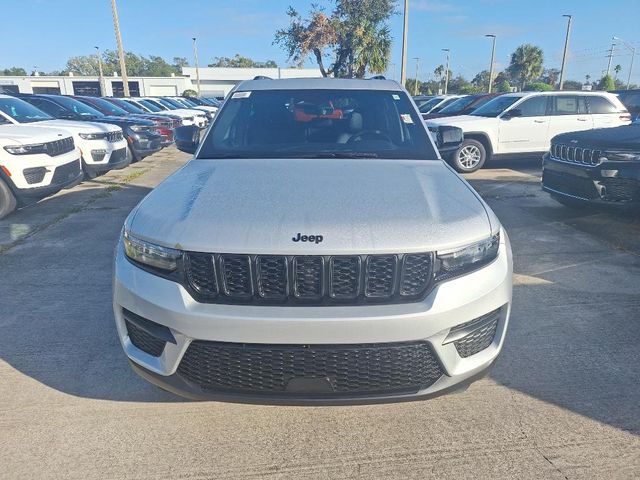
(34,175)
(144,341)
(482,331)
(66,172)
(331,369)
(570,184)
(321,280)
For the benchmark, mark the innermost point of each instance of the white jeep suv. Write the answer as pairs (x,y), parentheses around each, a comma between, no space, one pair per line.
(525,123)
(315,250)
(102,146)
(35,162)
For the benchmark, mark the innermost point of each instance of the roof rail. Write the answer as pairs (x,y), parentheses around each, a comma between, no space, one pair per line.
(262,77)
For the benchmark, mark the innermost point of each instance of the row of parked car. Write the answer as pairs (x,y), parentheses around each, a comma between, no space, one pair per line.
(52,142)
(590,141)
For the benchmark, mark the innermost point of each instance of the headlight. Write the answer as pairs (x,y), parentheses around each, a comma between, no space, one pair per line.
(188,119)
(466,259)
(26,149)
(139,128)
(151,255)
(93,136)
(620,156)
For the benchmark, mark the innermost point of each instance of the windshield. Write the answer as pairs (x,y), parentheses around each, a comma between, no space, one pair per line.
(170,102)
(150,105)
(459,105)
(79,108)
(109,107)
(21,111)
(427,106)
(185,102)
(129,107)
(495,107)
(318,124)
(166,103)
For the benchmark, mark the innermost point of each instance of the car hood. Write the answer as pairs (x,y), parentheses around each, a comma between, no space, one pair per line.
(626,137)
(465,122)
(77,127)
(357,206)
(124,121)
(29,135)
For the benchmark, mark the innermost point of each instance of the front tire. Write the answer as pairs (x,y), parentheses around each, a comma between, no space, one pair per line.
(8,202)
(469,157)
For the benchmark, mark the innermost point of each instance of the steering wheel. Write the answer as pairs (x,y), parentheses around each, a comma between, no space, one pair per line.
(369,135)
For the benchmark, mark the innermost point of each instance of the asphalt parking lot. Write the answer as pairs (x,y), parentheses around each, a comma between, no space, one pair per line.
(563,400)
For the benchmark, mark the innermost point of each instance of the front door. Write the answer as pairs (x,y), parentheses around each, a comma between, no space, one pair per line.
(526,132)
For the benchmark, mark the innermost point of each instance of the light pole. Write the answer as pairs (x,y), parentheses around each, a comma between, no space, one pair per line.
(633,54)
(195,56)
(493,58)
(610,58)
(415,84)
(101,77)
(446,78)
(566,50)
(123,65)
(403,64)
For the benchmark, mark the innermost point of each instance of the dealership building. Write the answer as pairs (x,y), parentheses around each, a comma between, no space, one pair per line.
(214,82)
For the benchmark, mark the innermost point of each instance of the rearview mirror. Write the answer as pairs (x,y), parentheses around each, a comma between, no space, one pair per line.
(187,138)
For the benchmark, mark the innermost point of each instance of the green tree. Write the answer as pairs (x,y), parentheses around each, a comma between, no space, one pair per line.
(504,86)
(189,93)
(526,63)
(606,83)
(137,65)
(550,76)
(14,71)
(481,81)
(239,61)
(538,87)
(355,37)
(572,85)
(179,63)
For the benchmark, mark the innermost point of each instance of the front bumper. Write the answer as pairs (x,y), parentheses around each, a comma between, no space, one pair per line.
(145,145)
(428,322)
(113,160)
(609,184)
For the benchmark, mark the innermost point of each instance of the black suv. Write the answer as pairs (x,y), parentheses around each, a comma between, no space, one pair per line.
(141,135)
(631,100)
(595,167)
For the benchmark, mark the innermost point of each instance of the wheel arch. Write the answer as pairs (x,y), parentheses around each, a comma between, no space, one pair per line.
(484,139)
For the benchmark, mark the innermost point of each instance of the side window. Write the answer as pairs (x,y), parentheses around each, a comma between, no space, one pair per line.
(565,105)
(534,107)
(599,104)
(3,121)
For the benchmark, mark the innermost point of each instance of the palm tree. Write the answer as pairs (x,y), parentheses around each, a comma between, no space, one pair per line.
(617,69)
(526,63)
(372,49)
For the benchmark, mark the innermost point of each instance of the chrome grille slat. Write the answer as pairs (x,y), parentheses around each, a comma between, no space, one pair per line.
(307,279)
(578,155)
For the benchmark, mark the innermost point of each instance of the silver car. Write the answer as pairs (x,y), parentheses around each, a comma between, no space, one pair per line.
(315,250)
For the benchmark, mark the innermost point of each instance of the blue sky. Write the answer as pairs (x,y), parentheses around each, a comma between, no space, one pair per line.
(45,33)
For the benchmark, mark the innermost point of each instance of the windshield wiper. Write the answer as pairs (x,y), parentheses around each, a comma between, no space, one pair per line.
(339,155)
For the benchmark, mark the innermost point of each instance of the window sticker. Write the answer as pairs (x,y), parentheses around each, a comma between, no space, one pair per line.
(406,118)
(395,96)
(241,95)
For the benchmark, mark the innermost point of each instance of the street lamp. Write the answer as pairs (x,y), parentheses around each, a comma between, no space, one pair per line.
(101,78)
(566,50)
(403,64)
(446,78)
(633,54)
(415,84)
(195,55)
(493,56)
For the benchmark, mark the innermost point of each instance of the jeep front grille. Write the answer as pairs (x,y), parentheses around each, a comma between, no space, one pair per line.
(573,154)
(304,279)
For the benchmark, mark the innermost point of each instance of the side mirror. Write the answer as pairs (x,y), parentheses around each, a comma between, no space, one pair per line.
(515,112)
(448,138)
(187,138)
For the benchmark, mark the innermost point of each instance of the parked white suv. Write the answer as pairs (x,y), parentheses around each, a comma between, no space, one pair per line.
(525,123)
(102,145)
(151,107)
(35,162)
(315,250)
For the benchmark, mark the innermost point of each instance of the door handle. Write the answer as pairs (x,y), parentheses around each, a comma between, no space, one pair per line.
(581,119)
(540,121)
